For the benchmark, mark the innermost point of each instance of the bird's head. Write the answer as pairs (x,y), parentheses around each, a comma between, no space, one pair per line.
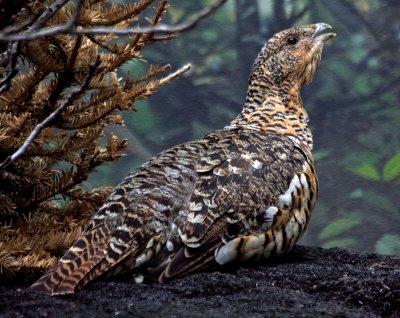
(293,55)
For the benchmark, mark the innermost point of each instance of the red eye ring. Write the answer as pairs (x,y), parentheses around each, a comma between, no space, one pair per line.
(292,40)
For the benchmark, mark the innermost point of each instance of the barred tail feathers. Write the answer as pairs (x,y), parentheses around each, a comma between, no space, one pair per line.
(87,260)
(86,252)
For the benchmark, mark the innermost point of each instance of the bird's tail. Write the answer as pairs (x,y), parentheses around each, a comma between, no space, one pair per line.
(88,258)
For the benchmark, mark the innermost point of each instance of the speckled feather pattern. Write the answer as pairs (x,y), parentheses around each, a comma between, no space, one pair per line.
(243,192)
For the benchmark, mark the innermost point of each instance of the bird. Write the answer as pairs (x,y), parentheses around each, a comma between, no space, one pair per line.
(240,193)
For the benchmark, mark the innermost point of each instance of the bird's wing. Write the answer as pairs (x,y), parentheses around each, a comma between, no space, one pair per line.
(238,178)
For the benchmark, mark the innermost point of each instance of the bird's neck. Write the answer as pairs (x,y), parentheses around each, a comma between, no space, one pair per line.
(275,108)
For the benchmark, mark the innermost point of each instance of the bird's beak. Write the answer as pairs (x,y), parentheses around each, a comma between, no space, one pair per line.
(318,37)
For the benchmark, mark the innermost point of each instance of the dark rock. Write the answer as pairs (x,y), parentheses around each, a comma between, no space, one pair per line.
(309,282)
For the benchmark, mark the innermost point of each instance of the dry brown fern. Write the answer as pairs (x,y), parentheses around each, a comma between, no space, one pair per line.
(42,205)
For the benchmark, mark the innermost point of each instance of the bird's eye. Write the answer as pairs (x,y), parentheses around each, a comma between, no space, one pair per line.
(292,40)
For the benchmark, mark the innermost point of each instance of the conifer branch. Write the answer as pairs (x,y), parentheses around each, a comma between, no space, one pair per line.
(49,13)
(75,93)
(11,55)
(53,115)
(70,27)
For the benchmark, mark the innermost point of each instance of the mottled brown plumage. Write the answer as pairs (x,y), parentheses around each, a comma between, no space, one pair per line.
(243,192)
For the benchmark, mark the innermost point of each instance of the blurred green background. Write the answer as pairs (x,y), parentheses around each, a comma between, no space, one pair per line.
(353,104)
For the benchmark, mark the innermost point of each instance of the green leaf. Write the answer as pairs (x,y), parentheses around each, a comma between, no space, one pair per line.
(391,170)
(367,171)
(339,226)
(344,242)
(388,244)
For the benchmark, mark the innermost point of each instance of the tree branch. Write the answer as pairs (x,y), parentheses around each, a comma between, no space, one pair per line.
(11,55)
(70,27)
(48,14)
(75,93)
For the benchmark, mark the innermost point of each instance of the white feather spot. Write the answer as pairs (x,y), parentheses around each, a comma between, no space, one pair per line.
(286,198)
(114,247)
(170,246)
(195,206)
(76,249)
(198,218)
(270,213)
(116,196)
(65,261)
(111,214)
(139,279)
(232,220)
(150,243)
(226,253)
(282,156)
(118,241)
(123,227)
(257,164)
(295,140)
(246,156)
(303,180)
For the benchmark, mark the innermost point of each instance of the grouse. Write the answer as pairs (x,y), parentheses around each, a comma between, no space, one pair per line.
(244,192)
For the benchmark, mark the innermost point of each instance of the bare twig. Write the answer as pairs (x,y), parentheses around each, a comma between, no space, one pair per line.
(75,93)
(175,74)
(47,14)
(70,28)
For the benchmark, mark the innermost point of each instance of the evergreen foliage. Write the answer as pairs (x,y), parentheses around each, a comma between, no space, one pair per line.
(42,202)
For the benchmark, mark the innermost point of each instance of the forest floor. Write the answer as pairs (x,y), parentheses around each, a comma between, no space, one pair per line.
(309,282)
